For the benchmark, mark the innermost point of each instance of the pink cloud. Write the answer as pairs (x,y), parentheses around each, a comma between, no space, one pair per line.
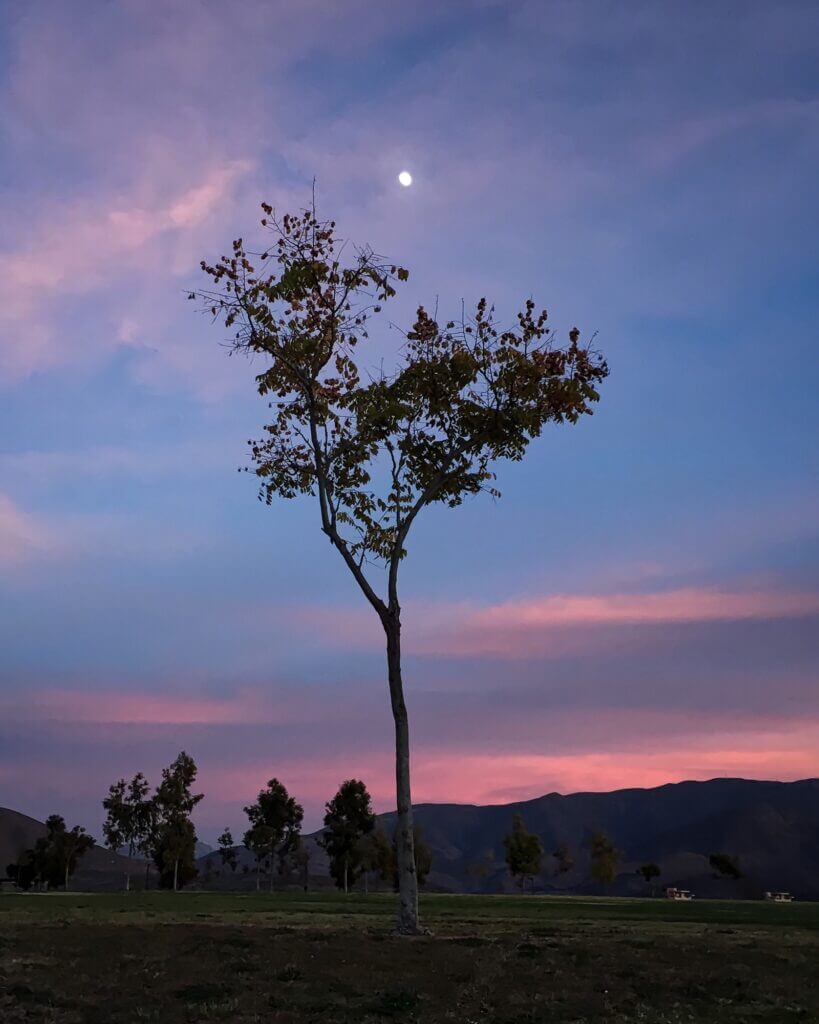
(89,246)
(555,624)
(113,707)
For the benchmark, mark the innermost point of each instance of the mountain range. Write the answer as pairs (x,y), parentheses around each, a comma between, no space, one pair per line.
(772,828)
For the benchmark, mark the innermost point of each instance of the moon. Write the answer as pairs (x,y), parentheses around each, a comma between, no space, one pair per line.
(405,179)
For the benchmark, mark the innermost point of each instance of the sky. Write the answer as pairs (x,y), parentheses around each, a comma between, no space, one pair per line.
(641,605)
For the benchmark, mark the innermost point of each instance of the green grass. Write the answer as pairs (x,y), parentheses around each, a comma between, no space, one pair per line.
(296,909)
(289,957)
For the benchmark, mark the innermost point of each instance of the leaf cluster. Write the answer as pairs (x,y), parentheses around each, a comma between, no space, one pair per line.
(377,448)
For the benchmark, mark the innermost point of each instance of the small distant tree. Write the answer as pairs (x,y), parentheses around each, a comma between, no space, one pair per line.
(649,872)
(275,823)
(458,397)
(725,866)
(423,856)
(128,817)
(604,858)
(378,858)
(227,850)
(565,861)
(173,832)
(348,819)
(524,852)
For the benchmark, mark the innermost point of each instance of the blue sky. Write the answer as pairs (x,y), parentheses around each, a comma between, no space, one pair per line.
(642,603)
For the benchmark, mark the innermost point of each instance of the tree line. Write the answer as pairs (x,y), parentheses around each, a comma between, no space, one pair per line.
(524,853)
(157,827)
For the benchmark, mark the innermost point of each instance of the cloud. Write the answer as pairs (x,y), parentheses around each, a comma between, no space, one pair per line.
(87,247)
(112,707)
(22,536)
(553,625)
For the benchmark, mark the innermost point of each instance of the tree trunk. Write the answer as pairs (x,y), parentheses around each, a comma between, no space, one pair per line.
(175,874)
(66,878)
(147,873)
(258,876)
(127,881)
(408,923)
(345,876)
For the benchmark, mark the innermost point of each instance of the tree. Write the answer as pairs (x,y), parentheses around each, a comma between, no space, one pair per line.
(565,861)
(127,824)
(376,451)
(649,873)
(524,851)
(175,852)
(421,852)
(227,850)
(348,818)
(725,866)
(604,858)
(423,856)
(275,822)
(173,833)
(23,872)
(378,857)
(55,856)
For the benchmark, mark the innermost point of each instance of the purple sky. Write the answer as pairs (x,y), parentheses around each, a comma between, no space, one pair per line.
(642,605)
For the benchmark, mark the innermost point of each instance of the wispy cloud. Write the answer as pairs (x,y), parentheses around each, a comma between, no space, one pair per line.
(554,624)
(22,536)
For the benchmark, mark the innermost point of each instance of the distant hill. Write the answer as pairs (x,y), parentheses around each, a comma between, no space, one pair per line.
(772,827)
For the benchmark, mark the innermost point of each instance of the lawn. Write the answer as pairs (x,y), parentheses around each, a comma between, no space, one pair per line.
(321,957)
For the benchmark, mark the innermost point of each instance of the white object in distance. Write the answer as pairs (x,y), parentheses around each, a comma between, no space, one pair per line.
(405,179)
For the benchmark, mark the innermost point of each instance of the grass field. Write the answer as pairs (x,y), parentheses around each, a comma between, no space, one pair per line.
(495,960)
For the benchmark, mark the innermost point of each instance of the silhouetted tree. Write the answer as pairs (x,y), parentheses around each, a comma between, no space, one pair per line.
(173,833)
(23,872)
(649,873)
(725,866)
(227,850)
(604,858)
(275,822)
(565,861)
(348,818)
(524,852)
(378,857)
(55,855)
(128,817)
(461,396)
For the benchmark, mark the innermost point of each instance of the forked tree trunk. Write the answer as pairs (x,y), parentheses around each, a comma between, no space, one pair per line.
(408,923)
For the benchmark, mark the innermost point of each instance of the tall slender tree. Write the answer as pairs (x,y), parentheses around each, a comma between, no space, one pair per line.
(348,819)
(275,823)
(174,834)
(227,850)
(455,398)
(128,816)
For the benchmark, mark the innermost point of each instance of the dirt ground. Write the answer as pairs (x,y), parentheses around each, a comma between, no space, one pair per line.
(109,968)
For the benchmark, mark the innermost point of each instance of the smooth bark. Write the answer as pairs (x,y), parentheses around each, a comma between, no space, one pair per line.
(408,922)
